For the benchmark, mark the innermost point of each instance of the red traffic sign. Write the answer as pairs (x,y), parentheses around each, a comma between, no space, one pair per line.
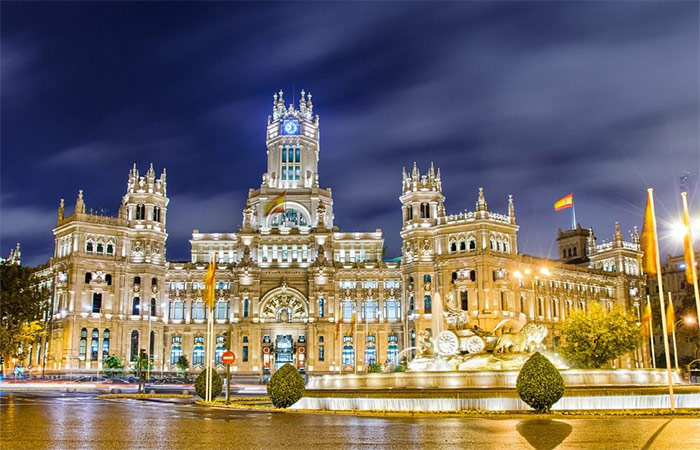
(228,357)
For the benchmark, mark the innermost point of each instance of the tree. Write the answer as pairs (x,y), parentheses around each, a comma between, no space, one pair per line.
(595,337)
(374,367)
(113,366)
(539,383)
(200,384)
(182,365)
(21,306)
(286,387)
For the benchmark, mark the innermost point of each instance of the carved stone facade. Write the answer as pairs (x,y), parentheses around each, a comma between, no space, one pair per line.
(291,287)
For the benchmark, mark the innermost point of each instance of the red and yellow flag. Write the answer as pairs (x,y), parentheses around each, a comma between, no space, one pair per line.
(646,321)
(210,283)
(670,318)
(340,317)
(688,247)
(648,239)
(566,201)
(276,205)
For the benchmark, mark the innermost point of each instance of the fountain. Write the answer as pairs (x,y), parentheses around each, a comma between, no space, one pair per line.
(468,368)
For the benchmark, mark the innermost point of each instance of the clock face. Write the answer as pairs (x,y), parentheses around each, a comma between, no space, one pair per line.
(290,126)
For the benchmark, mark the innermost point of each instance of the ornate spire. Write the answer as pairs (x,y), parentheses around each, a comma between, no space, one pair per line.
(79,203)
(511,209)
(61,210)
(591,241)
(481,203)
(618,233)
(635,235)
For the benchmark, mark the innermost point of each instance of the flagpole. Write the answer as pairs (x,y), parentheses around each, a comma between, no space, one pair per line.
(673,332)
(691,251)
(651,335)
(573,212)
(659,280)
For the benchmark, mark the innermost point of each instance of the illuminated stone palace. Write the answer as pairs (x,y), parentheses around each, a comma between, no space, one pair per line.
(293,288)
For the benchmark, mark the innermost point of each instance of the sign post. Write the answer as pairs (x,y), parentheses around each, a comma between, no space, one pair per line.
(228,357)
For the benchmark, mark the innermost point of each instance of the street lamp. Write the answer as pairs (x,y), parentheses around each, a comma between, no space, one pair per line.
(687,320)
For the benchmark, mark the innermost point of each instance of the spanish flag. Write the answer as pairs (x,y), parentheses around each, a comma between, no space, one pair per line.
(688,247)
(670,318)
(566,201)
(646,321)
(276,205)
(340,317)
(648,239)
(210,283)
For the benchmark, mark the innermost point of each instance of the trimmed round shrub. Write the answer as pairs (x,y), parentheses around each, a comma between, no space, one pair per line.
(374,367)
(200,384)
(540,384)
(286,387)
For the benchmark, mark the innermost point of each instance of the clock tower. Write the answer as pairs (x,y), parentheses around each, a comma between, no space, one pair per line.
(292,145)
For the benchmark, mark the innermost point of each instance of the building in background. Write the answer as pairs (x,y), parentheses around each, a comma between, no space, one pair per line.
(293,288)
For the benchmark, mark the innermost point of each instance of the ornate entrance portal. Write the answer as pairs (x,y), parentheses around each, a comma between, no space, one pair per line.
(284,351)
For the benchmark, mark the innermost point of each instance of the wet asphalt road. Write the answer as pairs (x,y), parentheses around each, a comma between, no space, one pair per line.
(80,421)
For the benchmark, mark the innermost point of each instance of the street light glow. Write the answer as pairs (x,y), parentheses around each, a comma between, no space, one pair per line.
(544,271)
(518,275)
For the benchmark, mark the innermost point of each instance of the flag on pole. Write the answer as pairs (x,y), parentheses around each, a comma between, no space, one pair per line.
(210,283)
(670,318)
(646,320)
(648,239)
(688,248)
(566,201)
(340,317)
(276,205)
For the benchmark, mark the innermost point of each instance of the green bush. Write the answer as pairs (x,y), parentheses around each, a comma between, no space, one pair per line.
(374,367)
(200,384)
(286,387)
(113,366)
(540,384)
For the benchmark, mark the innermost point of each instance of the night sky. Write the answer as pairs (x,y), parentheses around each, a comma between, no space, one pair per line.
(531,99)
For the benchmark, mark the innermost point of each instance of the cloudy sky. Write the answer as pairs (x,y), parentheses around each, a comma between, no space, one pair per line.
(530,99)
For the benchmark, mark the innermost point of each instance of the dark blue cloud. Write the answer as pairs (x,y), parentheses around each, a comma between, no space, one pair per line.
(530,99)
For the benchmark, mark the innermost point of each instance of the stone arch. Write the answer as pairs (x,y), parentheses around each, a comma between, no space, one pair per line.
(284,302)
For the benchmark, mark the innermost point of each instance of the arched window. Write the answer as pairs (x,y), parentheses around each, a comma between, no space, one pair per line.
(88,277)
(175,349)
(540,307)
(96,302)
(83,344)
(95,345)
(105,343)
(472,275)
(137,281)
(472,244)
(427,305)
(154,281)
(135,306)
(411,305)
(108,279)
(462,245)
(505,246)
(321,307)
(246,307)
(110,249)
(369,309)
(89,246)
(153,306)
(100,247)
(220,349)
(151,345)
(426,278)
(453,247)
(492,244)
(290,218)
(348,352)
(134,345)
(499,245)
(198,351)
(504,301)
(371,350)
(392,350)
(555,308)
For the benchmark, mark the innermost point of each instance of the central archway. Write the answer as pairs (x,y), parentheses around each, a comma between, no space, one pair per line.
(284,304)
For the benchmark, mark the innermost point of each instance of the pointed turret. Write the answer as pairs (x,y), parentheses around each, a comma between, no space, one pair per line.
(79,203)
(481,202)
(511,209)
(61,210)
(618,235)
(591,241)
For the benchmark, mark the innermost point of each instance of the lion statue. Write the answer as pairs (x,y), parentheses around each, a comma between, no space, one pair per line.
(529,338)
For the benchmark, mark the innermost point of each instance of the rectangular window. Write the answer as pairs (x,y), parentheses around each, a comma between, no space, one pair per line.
(297,173)
(321,353)
(245,353)
(298,155)
(284,155)
(464,297)
(305,252)
(284,172)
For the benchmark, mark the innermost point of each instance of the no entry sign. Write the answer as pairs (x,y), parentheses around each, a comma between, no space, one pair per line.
(228,357)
